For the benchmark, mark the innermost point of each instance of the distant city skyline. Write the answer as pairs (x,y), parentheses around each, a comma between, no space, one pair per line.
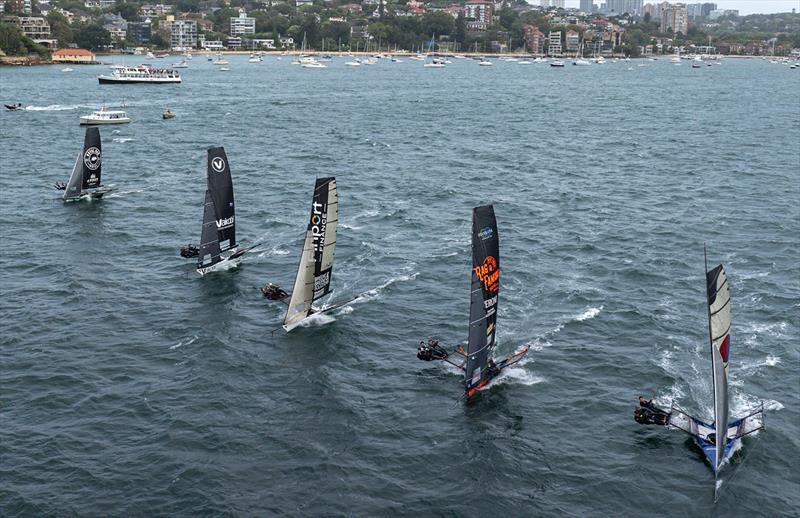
(745,7)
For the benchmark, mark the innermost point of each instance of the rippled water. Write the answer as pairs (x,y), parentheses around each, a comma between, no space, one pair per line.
(130,386)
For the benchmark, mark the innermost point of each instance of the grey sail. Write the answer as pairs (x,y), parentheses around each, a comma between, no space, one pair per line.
(73,189)
(209,237)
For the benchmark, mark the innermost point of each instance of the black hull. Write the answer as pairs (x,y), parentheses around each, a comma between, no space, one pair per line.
(104,81)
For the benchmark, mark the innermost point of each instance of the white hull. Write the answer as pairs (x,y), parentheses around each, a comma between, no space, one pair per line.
(86,121)
(95,194)
(225,264)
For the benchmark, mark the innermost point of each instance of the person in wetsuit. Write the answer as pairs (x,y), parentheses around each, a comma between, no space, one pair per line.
(273,292)
(649,413)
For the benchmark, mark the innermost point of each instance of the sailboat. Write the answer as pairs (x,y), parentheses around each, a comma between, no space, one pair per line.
(476,361)
(218,235)
(313,279)
(704,434)
(84,182)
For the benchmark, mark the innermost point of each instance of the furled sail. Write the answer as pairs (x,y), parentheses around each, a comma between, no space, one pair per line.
(316,262)
(209,237)
(220,185)
(485,286)
(719,327)
(88,166)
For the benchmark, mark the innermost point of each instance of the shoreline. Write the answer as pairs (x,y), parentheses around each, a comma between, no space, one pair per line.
(27,61)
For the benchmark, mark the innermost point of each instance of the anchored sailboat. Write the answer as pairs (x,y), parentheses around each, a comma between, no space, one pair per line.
(313,279)
(477,363)
(218,235)
(720,439)
(84,182)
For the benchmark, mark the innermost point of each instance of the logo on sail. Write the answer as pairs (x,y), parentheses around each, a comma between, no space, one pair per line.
(91,158)
(488,273)
(724,349)
(225,222)
(485,233)
(319,219)
(218,164)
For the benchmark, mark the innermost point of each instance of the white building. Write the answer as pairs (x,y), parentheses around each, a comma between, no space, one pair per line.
(155,10)
(675,18)
(554,47)
(242,25)
(183,34)
(213,45)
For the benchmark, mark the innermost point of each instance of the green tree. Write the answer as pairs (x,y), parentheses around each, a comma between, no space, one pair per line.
(15,43)
(461,28)
(93,37)
(59,28)
(129,11)
(437,23)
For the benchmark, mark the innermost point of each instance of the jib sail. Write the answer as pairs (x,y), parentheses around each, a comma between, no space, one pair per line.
(485,287)
(316,262)
(220,185)
(209,237)
(719,328)
(88,166)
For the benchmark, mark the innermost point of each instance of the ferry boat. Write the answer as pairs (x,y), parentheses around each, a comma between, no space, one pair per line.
(140,74)
(105,117)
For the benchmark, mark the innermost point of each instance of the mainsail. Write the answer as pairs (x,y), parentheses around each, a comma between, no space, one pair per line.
(219,219)
(316,262)
(88,166)
(220,185)
(719,328)
(485,286)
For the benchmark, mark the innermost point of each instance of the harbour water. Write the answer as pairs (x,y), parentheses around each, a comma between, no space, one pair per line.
(130,386)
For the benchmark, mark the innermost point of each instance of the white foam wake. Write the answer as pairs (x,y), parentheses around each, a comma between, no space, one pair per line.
(375,292)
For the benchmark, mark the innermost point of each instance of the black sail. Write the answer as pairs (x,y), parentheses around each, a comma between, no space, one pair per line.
(209,237)
(322,226)
(91,159)
(485,286)
(220,185)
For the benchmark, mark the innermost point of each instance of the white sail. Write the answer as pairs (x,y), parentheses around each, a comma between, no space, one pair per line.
(303,291)
(316,262)
(75,180)
(719,325)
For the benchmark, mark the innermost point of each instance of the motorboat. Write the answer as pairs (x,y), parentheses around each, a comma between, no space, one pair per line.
(485,63)
(314,64)
(557,63)
(14,107)
(168,114)
(105,116)
(67,69)
(181,64)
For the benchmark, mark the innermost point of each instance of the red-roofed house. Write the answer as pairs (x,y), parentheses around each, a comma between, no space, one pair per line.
(74,56)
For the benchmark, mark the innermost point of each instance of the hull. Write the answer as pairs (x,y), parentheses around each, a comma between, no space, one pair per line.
(231,261)
(109,80)
(90,195)
(97,122)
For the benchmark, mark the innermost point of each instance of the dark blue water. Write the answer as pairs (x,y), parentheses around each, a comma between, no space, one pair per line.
(131,386)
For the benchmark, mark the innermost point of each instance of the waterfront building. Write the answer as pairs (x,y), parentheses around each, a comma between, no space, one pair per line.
(573,41)
(479,10)
(74,56)
(37,29)
(535,40)
(140,32)
(675,18)
(242,25)
(554,43)
(552,3)
(234,43)
(183,34)
(263,43)
(116,25)
(213,45)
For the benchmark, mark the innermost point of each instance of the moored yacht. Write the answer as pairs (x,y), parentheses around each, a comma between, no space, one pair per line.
(105,117)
